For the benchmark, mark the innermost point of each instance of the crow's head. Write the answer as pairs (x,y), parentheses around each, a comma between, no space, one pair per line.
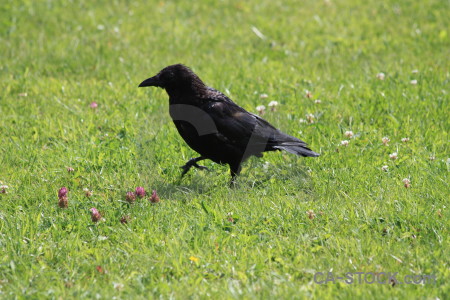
(173,77)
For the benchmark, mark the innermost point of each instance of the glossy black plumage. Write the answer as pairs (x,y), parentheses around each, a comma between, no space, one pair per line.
(216,127)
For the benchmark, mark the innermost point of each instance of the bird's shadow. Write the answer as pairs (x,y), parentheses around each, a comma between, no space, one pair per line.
(263,176)
(253,177)
(165,177)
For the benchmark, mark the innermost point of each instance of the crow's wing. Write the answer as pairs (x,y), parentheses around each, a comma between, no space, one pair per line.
(248,131)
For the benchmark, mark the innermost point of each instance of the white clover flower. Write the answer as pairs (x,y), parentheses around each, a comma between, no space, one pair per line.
(385,141)
(310,118)
(413,82)
(344,143)
(308,94)
(263,96)
(87,192)
(3,188)
(405,139)
(261,109)
(318,101)
(273,105)
(381,76)
(393,156)
(349,134)
(385,168)
(407,182)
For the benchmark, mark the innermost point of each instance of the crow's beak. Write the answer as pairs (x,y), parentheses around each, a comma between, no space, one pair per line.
(153,81)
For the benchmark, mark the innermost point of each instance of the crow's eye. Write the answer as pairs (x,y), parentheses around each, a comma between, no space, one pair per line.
(168,76)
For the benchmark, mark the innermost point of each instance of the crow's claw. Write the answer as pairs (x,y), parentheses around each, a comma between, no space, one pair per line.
(200,167)
(192,163)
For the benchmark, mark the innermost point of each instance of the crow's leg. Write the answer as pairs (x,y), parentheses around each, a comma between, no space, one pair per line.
(193,163)
(235,169)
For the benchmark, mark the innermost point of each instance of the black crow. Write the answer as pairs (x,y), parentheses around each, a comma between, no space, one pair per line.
(216,127)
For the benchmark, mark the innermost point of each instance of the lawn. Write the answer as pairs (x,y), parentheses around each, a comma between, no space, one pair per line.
(376,200)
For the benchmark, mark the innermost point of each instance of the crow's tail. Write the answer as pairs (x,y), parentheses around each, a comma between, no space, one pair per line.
(297,148)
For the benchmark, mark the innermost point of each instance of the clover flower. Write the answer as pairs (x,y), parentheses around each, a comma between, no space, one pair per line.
(62,192)
(310,118)
(381,76)
(273,105)
(87,192)
(154,198)
(407,182)
(3,188)
(130,197)
(95,215)
(344,143)
(349,134)
(311,214)
(140,192)
(261,109)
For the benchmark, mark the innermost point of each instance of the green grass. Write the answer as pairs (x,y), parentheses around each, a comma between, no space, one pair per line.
(66,54)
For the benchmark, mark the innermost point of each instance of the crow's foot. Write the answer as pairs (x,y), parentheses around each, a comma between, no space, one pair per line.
(193,163)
